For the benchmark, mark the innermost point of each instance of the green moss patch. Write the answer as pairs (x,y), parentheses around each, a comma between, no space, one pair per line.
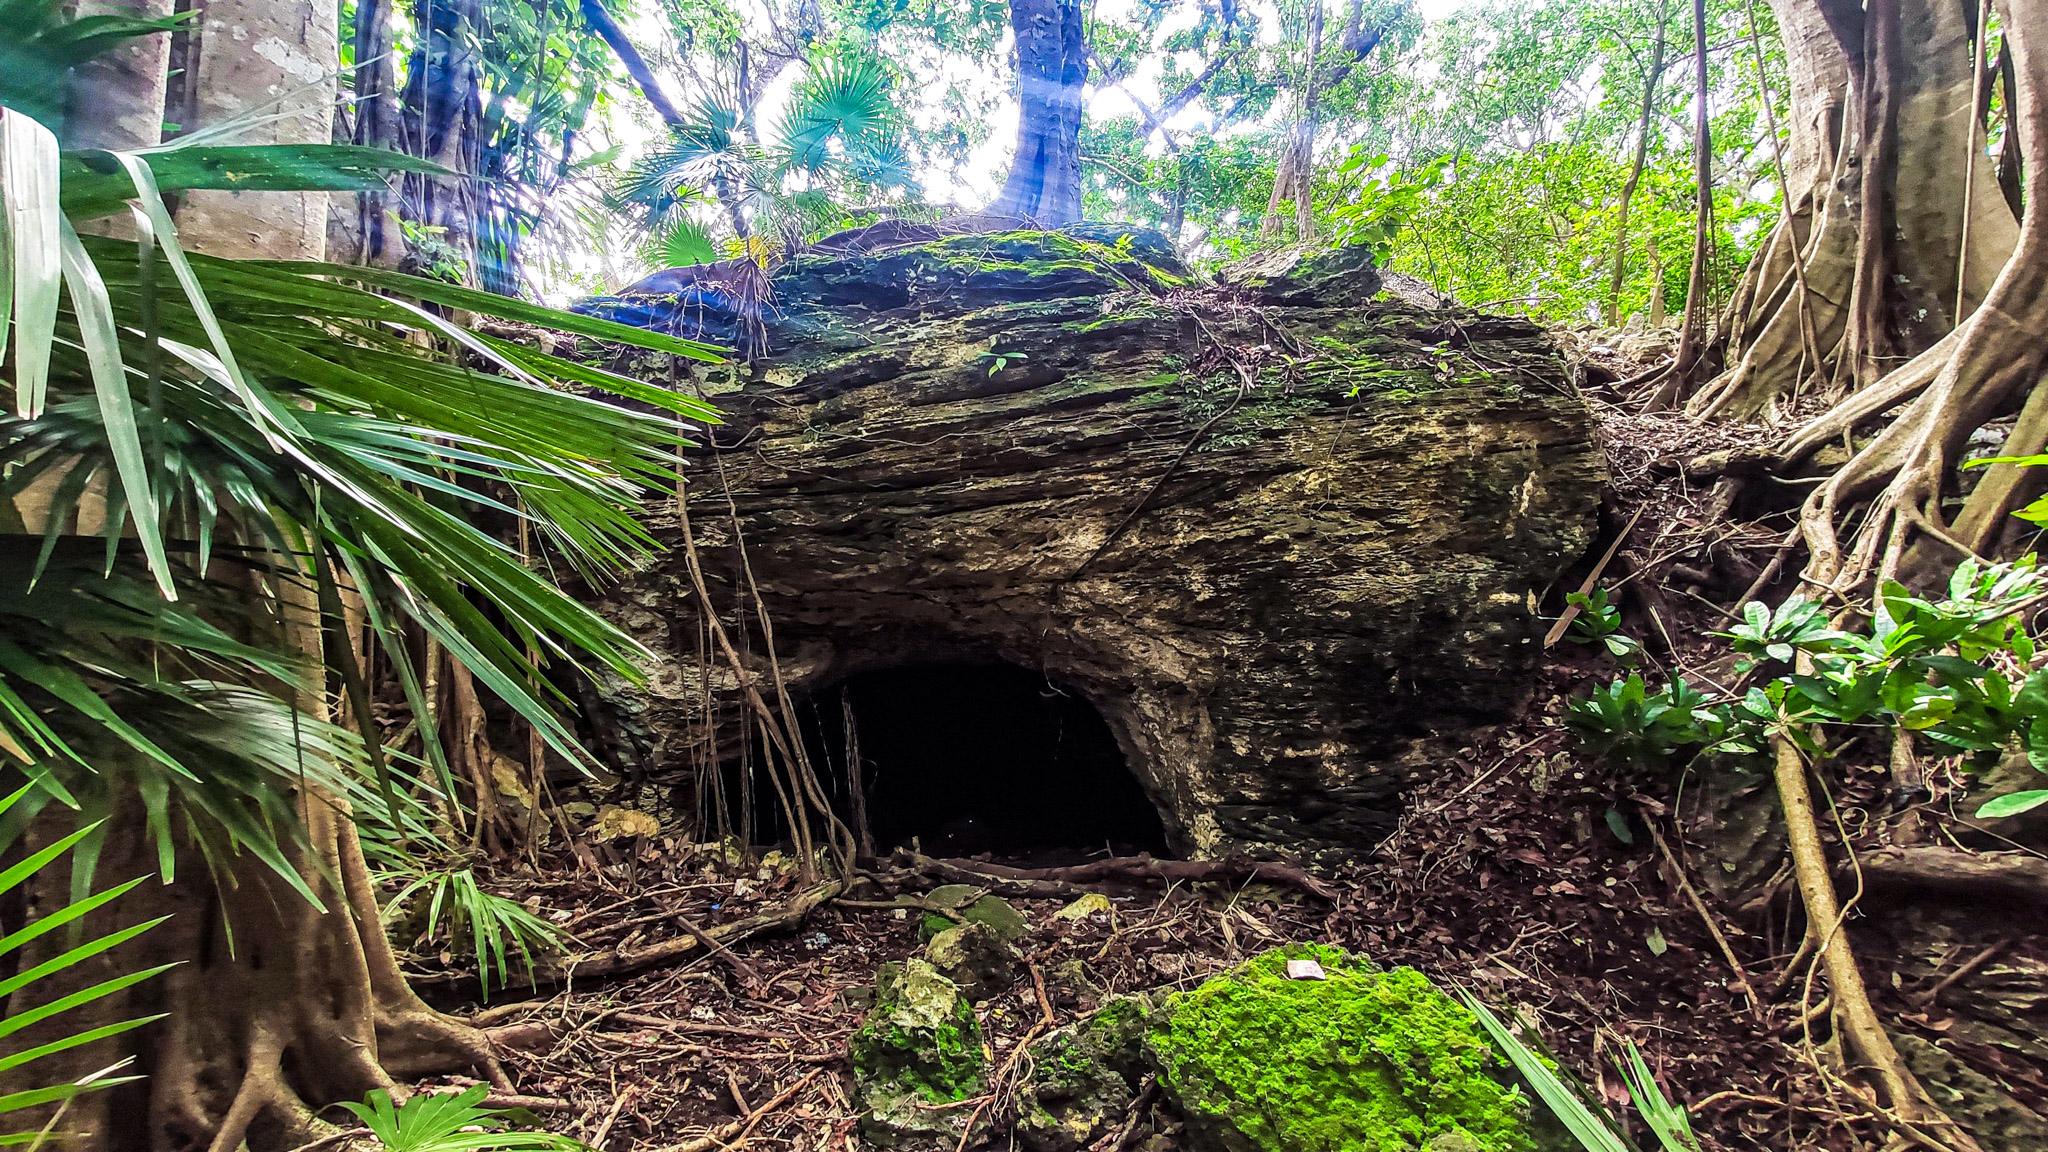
(921,1036)
(1361,1061)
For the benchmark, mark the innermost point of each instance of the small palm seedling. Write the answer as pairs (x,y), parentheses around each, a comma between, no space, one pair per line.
(460,1122)
(18,992)
(1592,1130)
(1599,622)
(458,911)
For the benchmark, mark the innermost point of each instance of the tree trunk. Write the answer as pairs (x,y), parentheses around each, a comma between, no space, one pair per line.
(275,64)
(1690,334)
(1044,185)
(443,98)
(377,125)
(116,101)
(1645,124)
(1877,204)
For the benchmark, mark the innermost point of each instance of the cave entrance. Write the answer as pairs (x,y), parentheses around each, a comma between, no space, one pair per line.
(973,758)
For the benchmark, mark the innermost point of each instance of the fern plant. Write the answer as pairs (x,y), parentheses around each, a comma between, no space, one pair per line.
(461,1122)
(19,990)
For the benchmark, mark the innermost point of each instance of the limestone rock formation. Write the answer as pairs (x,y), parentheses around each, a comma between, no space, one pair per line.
(1284,539)
(973,956)
(1084,1077)
(918,1050)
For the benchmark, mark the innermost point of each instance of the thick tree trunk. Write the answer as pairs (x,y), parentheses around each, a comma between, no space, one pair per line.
(1884,122)
(274,64)
(1044,185)
(278,1008)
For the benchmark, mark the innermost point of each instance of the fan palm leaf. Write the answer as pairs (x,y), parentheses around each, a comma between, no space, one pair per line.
(843,100)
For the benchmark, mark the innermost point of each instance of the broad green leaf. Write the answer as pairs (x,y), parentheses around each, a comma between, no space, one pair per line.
(28,152)
(2013,804)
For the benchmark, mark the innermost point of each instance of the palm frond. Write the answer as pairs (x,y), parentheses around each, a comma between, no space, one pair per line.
(842,100)
(43,44)
(450,1122)
(1587,1127)
(287,417)
(680,243)
(692,156)
(21,990)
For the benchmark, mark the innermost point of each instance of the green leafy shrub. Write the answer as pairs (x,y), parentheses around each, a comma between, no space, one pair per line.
(1599,622)
(1959,671)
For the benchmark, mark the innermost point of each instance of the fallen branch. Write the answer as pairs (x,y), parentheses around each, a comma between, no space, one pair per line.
(606,964)
(1954,872)
(1142,868)
(1756,1004)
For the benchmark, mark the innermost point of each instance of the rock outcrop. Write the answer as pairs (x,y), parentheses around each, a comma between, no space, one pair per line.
(915,1058)
(1285,539)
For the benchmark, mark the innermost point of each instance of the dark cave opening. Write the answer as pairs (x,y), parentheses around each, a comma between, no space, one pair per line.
(981,758)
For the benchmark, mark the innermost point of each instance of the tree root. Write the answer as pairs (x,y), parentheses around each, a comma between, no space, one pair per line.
(1141,869)
(1857,1025)
(608,964)
(1952,872)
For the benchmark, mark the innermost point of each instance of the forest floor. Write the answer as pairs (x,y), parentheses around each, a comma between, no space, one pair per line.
(1534,877)
(1519,871)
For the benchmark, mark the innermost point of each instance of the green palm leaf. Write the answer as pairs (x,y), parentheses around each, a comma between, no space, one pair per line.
(21,986)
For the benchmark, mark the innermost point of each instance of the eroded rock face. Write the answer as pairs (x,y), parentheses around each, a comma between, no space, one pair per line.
(1285,541)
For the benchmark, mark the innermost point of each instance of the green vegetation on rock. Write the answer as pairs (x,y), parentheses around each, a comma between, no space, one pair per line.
(920,1035)
(920,1046)
(1361,1061)
(1083,1077)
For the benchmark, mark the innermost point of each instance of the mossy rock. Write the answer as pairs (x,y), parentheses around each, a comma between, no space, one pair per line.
(1308,273)
(1364,1060)
(1084,1076)
(973,956)
(978,907)
(919,1046)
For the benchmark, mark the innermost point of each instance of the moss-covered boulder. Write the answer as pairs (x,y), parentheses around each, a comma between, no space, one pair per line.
(1083,1077)
(975,957)
(918,1049)
(1361,1060)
